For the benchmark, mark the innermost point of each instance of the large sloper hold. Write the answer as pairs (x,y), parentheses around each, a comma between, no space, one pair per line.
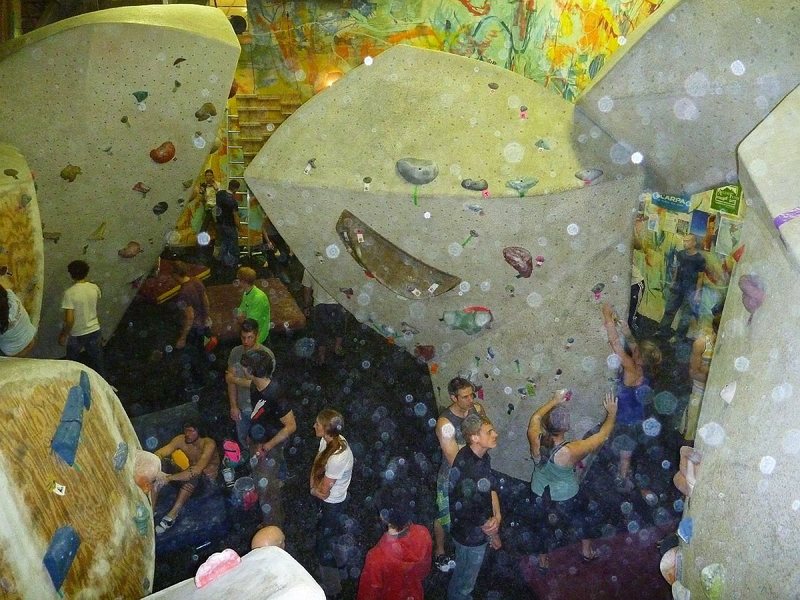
(60,553)
(68,433)
(690,83)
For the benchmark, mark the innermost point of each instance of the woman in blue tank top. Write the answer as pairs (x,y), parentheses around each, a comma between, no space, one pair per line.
(633,388)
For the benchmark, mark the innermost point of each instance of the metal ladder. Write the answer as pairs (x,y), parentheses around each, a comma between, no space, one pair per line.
(236,166)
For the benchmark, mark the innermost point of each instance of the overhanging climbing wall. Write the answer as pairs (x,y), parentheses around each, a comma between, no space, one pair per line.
(692,82)
(74,523)
(469,215)
(113,110)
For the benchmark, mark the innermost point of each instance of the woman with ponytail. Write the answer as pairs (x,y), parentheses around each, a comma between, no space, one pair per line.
(17,333)
(329,480)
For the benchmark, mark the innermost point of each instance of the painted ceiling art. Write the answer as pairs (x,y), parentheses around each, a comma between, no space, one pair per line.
(561,44)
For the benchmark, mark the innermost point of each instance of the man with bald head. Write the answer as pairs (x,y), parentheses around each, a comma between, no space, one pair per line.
(270,535)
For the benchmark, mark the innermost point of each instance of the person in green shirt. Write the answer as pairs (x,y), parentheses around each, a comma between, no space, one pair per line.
(254,304)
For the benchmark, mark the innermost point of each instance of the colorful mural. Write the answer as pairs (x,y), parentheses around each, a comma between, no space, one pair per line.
(304,46)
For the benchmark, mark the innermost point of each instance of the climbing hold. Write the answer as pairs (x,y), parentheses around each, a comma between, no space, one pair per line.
(60,553)
(417,171)
(11,173)
(160,208)
(753,293)
(178,61)
(589,176)
(523,112)
(311,164)
(176,85)
(67,435)
(472,234)
(493,86)
(686,529)
(520,259)
(124,119)
(510,407)
(205,112)
(712,577)
(347,292)
(164,153)
(130,250)
(187,184)
(70,172)
(470,320)
(522,185)
(476,185)
(426,353)
(141,188)
(367,182)
(140,96)
(120,456)
(542,145)
(727,392)
(476,208)
(234,89)
(539,260)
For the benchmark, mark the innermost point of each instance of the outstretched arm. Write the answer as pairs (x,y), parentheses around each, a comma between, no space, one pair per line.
(535,424)
(610,323)
(580,449)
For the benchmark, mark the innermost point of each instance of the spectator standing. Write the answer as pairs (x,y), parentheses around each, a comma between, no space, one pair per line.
(205,193)
(81,328)
(17,333)
(448,432)
(396,566)
(329,481)
(238,384)
(228,224)
(474,505)
(685,289)
(272,423)
(195,326)
(254,304)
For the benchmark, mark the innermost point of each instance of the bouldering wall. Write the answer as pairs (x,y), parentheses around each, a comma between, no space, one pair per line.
(470,216)
(692,82)
(74,522)
(21,252)
(745,505)
(113,110)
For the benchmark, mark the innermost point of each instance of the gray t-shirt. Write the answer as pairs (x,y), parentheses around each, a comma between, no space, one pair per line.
(235,364)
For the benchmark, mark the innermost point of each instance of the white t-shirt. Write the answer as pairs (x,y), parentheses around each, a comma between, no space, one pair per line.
(82,298)
(20,330)
(339,468)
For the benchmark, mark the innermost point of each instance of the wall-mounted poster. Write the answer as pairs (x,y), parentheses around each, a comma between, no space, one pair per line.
(727,199)
(729,235)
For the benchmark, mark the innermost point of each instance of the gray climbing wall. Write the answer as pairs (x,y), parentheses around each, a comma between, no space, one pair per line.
(692,82)
(746,504)
(423,259)
(85,101)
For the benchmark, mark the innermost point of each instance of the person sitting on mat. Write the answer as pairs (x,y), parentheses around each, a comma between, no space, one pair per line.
(200,461)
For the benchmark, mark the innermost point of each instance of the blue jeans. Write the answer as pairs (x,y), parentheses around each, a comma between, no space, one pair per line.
(92,343)
(468,564)
(243,427)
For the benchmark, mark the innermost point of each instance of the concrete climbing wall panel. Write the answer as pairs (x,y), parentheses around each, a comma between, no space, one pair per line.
(469,216)
(74,522)
(745,506)
(692,82)
(113,110)
(21,251)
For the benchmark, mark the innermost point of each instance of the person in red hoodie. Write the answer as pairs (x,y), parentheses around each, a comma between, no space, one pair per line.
(396,566)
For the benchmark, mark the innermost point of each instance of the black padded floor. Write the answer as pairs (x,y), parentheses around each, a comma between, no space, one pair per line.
(387,401)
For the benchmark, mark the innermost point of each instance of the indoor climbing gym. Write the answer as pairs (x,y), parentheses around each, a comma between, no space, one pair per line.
(399,300)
